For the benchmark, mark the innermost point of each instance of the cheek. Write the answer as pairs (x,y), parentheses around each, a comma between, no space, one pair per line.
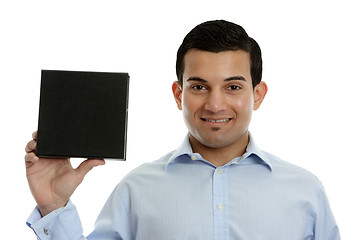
(243,105)
(190,105)
(188,109)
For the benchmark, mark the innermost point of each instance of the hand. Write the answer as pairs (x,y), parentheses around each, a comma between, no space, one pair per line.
(52,180)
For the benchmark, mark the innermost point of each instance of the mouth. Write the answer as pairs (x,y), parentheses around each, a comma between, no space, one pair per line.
(223,120)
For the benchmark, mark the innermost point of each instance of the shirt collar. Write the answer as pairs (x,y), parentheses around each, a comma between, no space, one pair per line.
(184,149)
(253,149)
(253,154)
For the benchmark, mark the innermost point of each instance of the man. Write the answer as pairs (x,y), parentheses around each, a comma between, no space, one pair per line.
(217,185)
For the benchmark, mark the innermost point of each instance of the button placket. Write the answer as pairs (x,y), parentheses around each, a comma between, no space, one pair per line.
(220,203)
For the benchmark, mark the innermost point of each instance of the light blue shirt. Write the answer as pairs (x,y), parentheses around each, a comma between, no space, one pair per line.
(182,196)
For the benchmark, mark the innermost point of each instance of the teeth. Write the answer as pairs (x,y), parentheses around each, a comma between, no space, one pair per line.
(217,121)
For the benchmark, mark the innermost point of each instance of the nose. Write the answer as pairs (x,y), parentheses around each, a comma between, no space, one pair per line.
(215,102)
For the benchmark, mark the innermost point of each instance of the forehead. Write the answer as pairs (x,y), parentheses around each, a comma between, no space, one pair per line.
(198,63)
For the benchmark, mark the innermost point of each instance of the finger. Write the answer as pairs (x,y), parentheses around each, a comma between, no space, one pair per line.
(31,157)
(31,146)
(87,165)
(34,135)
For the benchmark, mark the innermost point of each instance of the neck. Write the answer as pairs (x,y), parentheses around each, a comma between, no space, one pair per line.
(222,155)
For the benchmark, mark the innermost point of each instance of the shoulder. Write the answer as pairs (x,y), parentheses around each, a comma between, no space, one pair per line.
(149,168)
(145,174)
(291,172)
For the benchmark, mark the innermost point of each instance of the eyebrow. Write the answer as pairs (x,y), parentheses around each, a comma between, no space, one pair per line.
(241,78)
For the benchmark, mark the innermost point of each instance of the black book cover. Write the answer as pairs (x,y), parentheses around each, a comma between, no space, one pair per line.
(83,114)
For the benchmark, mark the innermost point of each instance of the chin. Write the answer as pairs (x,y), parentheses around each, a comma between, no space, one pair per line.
(220,140)
(213,143)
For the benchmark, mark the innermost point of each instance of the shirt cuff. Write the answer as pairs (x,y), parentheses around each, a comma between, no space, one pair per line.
(59,224)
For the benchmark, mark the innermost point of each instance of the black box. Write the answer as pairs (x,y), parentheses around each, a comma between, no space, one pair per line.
(83,114)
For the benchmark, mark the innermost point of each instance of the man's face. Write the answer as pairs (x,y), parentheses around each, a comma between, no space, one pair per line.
(217,97)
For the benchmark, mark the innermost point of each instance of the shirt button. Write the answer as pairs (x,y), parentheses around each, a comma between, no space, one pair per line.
(220,207)
(220,171)
(193,158)
(46,231)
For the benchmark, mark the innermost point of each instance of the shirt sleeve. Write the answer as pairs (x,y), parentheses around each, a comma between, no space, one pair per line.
(325,224)
(114,222)
(64,223)
(61,224)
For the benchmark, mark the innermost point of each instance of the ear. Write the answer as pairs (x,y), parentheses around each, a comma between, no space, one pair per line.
(177,91)
(260,91)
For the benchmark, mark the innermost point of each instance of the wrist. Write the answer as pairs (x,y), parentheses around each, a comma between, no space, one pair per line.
(45,210)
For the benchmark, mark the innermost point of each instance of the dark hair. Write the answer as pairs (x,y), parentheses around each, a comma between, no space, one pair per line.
(218,36)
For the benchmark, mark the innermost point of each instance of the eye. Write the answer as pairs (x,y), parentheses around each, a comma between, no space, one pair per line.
(234,87)
(198,87)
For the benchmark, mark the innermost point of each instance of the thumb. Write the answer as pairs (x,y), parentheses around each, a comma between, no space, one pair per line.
(87,165)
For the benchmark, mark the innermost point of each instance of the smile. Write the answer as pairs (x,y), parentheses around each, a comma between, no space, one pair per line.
(216,120)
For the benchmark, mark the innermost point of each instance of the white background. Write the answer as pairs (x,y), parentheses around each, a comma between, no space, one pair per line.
(310,116)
